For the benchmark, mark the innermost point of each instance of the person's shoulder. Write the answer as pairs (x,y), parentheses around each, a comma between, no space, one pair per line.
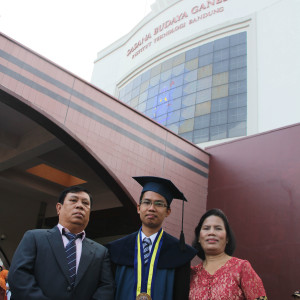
(95,244)
(124,240)
(197,268)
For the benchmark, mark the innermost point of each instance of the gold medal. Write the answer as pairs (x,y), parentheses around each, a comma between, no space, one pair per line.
(143,296)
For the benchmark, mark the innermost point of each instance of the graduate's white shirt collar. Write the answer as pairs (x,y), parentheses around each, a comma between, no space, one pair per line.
(151,237)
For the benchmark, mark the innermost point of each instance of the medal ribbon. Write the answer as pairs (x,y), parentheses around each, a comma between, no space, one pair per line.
(144,276)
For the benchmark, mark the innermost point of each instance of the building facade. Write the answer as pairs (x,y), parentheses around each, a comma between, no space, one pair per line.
(209,70)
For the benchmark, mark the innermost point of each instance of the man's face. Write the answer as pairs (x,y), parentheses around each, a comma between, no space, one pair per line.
(74,213)
(151,215)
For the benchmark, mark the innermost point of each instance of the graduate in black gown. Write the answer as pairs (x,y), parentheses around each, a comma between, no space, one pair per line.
(164,272)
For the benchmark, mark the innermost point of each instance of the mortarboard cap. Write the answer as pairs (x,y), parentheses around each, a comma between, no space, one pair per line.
(167,189)
(162,186)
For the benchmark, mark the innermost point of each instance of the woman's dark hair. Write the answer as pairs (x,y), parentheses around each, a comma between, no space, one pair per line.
(73,189)
(230,246)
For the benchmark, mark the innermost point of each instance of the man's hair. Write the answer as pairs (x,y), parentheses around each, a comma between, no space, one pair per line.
(230,246)
(73,189)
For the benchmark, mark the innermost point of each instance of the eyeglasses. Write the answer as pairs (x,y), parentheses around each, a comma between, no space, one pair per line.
(148,203)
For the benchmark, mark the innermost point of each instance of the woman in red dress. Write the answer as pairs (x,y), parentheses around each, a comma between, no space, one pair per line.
(221,276)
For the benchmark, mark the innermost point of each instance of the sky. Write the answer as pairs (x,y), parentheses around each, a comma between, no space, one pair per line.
(70,32)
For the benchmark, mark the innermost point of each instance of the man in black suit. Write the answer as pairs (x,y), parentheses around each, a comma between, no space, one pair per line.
(43,267)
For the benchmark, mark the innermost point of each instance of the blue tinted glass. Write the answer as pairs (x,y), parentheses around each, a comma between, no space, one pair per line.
(237,74)
(153,91)
(237,87)
(151,103)
(190,88)
(135,92)
(154,80)
(205,60)
(218,132)
(150,113)
(238,62)
(218,118)
(173,117)
(128,87)
(219,104)
(165,75)
(203,96)
(207,48)
(202,121)
(146,76)
(204,83)
(177,92)
(165,86)
(136,82)
(189,100)
(187,113)
(237,100)
(161,119)
(191,54)
(221,43)
(201,135)
(237,129)
(220,67)
(237,114)
(177,81)
(122,93)
(143,97)
(238,38)
(178,70)
(187,135)
(190,76)
(221,55)
(238,50)
(176,104)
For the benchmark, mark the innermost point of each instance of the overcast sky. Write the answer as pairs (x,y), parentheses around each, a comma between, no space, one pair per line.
(70,32)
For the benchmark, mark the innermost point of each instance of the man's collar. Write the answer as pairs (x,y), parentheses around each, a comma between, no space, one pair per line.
(60,227)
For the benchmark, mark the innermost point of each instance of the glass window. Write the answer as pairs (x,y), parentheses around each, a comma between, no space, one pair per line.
(178,59)
(166,65)
(187,135)
(142,107)
(165,75)
(176,104)
(218,118)
(237,74)
(150,113)
(146,75)
(154,80)
(155,70)
(178,70)
(128,87)
(238,38)
(187,125)
(189,88)
(135,92)
(143,97)
(202,121)
(191,64)
(177,92)
(237,100)
(218,132)
(221,54)
(190,76)
(203,96)
(134,102)
(173,117)
(204,83)
(237,129)
(221,43)
(144,86)
(201,135)
(219,104)
(237,114)
(153,91)
(203,108)
(191,54)
(152,102)
(189,100)
(187,113)
(136,82)
(177,81)
(219,91)
(127,97)
(161,119)
(206,48)
(238,62)
(238,50)
(165,86)
(174,127)
(221,66)
(238,87)
(161,109)
(220,78)
(205,60)
(121,93)
(204,71)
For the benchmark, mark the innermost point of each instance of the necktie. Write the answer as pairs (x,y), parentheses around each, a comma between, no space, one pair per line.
(146,243)
(71,254)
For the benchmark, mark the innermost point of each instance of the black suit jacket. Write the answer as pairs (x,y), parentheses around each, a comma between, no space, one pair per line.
(39,269)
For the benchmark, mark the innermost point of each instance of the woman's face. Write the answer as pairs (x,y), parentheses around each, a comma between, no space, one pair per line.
(213,237)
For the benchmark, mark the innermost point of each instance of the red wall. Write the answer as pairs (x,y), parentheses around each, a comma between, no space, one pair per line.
(256,182)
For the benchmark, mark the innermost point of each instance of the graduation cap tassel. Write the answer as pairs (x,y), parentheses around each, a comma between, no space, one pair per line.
(182,239)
